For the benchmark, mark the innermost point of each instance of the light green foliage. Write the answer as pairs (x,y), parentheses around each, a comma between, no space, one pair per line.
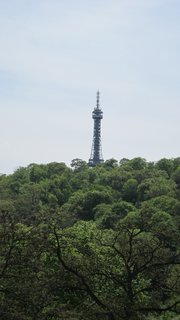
(86,243)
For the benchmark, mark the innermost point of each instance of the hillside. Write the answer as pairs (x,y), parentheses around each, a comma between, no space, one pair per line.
(91,243)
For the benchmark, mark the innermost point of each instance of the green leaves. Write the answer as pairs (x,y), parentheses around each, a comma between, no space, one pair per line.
(90,243)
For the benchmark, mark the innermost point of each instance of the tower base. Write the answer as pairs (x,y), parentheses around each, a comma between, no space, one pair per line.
(93,162)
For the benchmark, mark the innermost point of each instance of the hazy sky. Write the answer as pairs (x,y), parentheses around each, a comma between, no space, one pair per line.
(55,55)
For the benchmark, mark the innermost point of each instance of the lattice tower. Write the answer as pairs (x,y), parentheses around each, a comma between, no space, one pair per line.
(96,151)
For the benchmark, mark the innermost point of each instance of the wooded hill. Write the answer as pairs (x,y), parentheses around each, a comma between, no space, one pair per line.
(91,243)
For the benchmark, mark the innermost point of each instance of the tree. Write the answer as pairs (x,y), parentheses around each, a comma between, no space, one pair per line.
(111,163)
(124,274)
(166,165)
(90,243)
(78,164)
(154,187)
(81,204)
(130,190)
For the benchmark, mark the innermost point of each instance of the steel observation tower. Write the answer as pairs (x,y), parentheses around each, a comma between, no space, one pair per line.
(96,151)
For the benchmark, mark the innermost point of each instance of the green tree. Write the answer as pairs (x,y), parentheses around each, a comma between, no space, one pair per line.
(166,165)
(130,190)
(124,274)
(154,187)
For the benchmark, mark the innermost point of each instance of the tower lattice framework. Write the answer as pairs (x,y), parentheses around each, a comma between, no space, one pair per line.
(96,151)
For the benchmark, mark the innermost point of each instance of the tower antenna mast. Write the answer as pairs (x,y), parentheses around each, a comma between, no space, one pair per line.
(96,151)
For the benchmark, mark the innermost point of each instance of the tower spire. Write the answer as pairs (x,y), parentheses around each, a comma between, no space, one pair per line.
(97,99)
(96,152)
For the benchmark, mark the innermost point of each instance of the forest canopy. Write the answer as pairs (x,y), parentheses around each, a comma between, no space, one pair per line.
(91,243)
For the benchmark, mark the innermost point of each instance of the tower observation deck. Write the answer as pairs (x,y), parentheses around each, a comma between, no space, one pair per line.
(96,151)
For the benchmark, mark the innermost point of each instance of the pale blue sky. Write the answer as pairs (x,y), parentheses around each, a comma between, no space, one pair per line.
(55,55)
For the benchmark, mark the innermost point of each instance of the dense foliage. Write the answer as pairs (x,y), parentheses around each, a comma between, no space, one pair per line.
(90,243)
